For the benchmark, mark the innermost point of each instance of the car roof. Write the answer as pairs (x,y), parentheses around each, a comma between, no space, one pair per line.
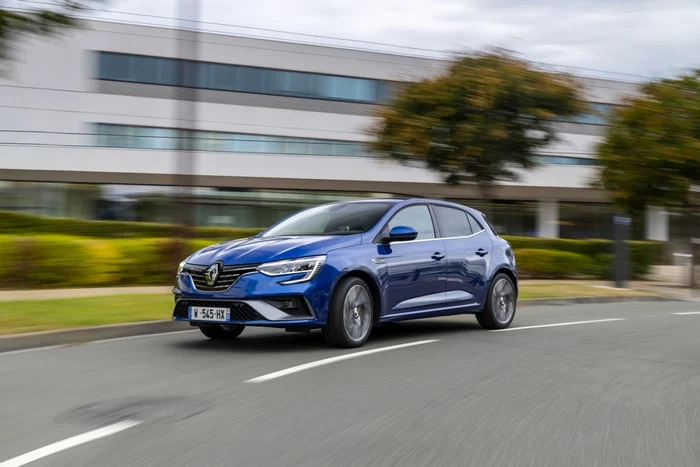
(407,201)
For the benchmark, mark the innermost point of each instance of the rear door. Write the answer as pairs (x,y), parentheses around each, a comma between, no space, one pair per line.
(468,249)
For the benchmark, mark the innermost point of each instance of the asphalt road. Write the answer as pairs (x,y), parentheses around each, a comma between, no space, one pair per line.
(607,393)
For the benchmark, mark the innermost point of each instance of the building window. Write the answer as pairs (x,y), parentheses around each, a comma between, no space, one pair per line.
(566,160)
(224,77)
(598,114)
(138,137)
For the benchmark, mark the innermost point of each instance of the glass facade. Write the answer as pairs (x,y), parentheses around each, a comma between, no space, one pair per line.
(585,221)
(567,160)
(598,115)
(221,207)
(138,137)
(238,78)
(227,207)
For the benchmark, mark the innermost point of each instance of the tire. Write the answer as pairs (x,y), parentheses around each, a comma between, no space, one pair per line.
(350,315)
(217,331)
(501,302)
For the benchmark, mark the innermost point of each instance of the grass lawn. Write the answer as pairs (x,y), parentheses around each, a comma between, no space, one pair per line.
(563,290)
(45,315)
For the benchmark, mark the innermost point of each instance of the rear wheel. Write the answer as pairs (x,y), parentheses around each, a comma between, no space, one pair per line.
(499,311)
(350,314)
(222,332)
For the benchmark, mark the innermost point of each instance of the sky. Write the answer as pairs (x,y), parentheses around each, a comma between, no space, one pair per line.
(648,38)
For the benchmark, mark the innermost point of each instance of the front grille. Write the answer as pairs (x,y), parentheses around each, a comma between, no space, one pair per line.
(239,311)
(229,275)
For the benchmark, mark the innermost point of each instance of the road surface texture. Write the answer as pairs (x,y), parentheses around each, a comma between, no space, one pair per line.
(618,387)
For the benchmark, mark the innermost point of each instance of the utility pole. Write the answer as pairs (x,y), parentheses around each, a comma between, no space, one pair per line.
(186,96)
(622,228)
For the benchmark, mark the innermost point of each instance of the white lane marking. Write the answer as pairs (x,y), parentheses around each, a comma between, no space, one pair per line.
(687,313)
(560,324)
(327,361)
(102,341)
(68,443)
(33,349)
(127,338)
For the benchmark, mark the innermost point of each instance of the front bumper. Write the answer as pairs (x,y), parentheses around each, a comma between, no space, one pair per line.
(258,300)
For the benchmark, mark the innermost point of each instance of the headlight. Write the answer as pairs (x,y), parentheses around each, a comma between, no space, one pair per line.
(180,267)
(309,267)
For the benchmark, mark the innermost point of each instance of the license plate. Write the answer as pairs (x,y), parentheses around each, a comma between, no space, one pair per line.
(201,313)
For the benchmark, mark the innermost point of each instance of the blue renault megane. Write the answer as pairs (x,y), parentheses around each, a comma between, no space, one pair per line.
(344,267)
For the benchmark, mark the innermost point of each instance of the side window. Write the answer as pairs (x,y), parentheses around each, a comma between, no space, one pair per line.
(416,217)
(476,226)
(453,222)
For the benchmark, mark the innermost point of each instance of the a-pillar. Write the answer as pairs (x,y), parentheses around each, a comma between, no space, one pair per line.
(656,224)
(548,219)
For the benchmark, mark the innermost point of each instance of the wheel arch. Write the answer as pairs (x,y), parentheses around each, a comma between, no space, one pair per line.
(369,279)
(503,269)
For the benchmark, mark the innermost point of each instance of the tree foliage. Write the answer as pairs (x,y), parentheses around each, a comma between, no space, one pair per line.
(651,152)
(486,116)
(15,23)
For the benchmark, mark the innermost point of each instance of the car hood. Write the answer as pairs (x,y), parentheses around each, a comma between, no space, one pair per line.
(258,250)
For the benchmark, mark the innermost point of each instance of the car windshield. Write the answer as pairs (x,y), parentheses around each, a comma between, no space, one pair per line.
(333,219)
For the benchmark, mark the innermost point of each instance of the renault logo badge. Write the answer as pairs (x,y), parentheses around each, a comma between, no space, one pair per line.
(212,274)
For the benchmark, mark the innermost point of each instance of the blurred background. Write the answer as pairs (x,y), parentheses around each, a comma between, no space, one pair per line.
(162,114)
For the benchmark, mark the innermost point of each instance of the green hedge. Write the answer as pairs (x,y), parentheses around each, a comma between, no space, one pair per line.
(12,223)
(552,264)
(642,254)
(47,261)
(44,261)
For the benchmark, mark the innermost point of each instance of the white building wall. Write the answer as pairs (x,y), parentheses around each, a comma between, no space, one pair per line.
(51,90)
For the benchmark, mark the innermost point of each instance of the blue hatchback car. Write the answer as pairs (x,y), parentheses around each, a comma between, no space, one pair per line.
(344,267)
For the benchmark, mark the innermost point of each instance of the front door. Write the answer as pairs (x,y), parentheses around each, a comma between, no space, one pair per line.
(416,269)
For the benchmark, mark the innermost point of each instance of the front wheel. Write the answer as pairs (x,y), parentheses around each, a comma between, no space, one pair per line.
(499,311)
(350,314)
(222,332)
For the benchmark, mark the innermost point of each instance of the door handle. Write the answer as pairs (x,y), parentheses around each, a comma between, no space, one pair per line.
(481,252)
(437,256)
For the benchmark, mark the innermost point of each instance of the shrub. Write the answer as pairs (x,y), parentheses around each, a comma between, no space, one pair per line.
(55,261)
(642,254)
(10,255)
(144,262)
(551,264)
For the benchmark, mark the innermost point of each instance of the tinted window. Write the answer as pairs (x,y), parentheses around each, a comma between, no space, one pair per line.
(476,226)
(333,219)
(121,136)
(155,70)
(416,217)
(486,220)
(453,222)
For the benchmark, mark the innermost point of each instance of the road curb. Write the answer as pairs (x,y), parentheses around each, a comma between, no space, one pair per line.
(593,300)
(89,334)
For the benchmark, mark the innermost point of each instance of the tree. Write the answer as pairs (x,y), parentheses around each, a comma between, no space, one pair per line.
(651,151)
(478,122)
(15,23)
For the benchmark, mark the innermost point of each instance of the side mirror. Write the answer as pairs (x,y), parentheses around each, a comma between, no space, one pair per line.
(401,233)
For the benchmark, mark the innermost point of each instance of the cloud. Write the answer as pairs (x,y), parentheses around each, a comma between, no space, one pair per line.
(641,37)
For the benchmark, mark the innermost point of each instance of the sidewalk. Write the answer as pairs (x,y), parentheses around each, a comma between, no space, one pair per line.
(658,288)
(57,294)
